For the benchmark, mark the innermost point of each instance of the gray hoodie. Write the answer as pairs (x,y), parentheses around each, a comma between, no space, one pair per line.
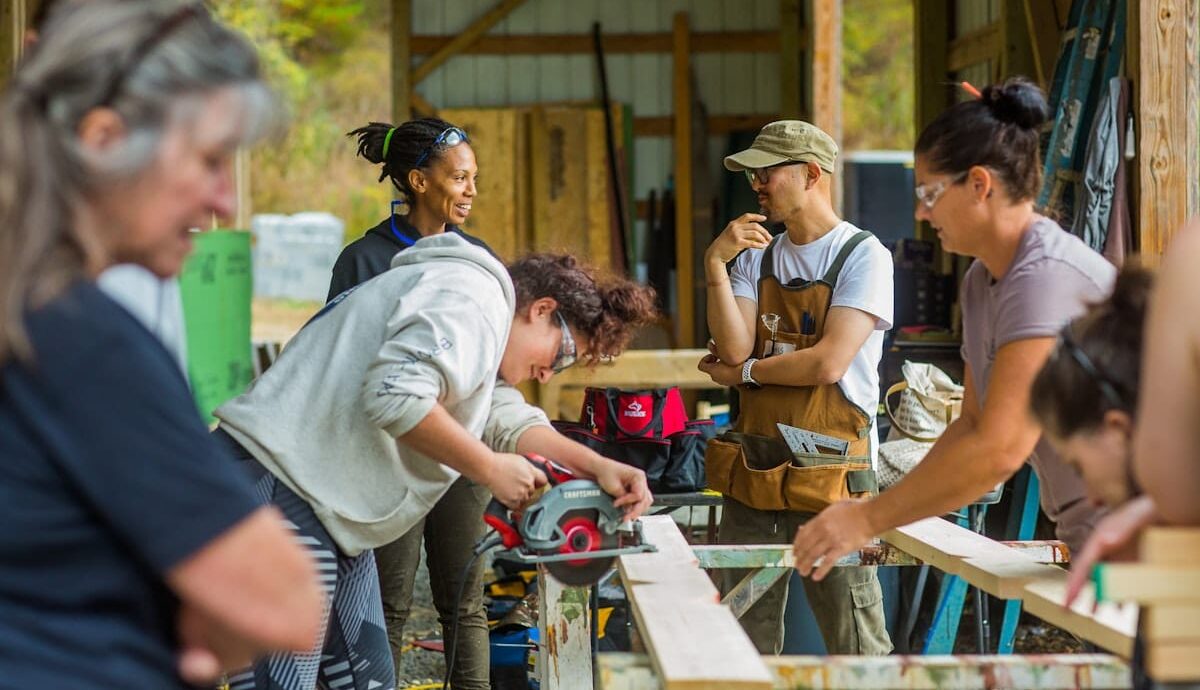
(370,366)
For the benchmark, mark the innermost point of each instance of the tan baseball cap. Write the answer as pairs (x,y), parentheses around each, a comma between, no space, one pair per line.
(784,141)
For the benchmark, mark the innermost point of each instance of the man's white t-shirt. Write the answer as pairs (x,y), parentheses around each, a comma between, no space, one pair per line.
(865,283)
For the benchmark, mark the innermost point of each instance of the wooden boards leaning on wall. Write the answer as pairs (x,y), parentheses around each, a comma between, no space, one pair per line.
(543,180)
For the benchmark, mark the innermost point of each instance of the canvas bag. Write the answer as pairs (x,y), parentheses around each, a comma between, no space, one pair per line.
(929,400)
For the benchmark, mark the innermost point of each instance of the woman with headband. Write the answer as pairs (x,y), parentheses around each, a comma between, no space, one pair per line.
(431,164)
(978,172)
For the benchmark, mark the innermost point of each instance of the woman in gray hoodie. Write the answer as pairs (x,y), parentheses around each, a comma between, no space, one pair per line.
(394,390)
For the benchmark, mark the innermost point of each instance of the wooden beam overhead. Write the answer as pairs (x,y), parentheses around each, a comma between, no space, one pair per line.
(1168,140)
(978,46)
(465,39)
(681,86)
(791,58)
(401,61)
(663,126)
(562,44)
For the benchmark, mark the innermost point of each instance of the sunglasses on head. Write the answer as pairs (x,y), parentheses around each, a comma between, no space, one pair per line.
(566,348)
(448,139)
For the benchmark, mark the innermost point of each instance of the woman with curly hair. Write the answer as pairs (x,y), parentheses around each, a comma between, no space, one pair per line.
(390,393)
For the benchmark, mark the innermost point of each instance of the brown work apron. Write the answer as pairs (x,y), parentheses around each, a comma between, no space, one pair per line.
(752,463)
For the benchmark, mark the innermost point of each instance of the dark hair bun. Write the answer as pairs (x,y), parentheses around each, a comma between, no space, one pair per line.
(1017,101)
(1131,293)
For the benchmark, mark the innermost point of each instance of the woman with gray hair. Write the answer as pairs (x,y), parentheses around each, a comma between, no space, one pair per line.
(127,530)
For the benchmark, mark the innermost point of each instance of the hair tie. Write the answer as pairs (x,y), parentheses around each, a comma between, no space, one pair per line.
(387,140)
(966,86)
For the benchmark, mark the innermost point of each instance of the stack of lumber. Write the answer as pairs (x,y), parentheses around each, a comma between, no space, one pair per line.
(1166,582)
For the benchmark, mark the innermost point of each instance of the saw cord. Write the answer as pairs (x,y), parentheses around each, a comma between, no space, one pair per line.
(489,541)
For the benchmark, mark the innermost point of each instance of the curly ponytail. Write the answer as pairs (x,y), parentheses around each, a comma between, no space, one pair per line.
(608,310)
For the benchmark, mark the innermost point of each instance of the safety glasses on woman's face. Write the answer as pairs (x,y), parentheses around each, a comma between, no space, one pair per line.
(928,194)
(763,175)
(449,138)
(566,348)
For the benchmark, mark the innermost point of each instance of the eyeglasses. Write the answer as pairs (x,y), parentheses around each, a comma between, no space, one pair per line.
(449,138)
(566,348)
(929,194)
(168,26)
(761,176)
(1107,389)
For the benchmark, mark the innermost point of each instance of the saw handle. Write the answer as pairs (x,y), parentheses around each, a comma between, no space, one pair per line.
(497,514)
(555,474)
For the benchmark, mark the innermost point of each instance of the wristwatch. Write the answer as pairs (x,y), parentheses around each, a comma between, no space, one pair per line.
(747,379)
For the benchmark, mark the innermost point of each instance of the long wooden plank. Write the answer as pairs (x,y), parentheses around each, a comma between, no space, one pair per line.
(633,369)
(614,44)
(472,34)
(826,78)
(1110,626)
(780,556)
(620,671)
(694,642)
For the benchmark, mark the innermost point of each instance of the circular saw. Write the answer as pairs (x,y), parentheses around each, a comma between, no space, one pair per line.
(573,528)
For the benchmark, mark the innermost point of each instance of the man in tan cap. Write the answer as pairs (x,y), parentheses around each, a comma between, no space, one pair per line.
(797,325)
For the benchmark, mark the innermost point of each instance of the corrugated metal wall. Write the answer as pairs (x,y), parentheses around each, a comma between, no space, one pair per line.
(729,83)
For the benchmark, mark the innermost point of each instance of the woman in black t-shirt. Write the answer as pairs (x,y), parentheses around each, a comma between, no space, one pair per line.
(431,164)
(126,528)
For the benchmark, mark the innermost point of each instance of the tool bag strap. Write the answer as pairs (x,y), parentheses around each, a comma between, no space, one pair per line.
(766,263)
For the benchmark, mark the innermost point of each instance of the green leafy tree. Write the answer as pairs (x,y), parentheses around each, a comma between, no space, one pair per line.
(877,74)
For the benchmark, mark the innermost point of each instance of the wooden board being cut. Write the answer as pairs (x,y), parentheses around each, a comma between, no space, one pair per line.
(987,564)
(694,642)
(1111,626)
(1167,662)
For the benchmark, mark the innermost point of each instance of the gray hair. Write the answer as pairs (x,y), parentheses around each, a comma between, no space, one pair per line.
(151,64)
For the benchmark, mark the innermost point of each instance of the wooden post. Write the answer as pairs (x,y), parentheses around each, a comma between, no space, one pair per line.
(12,36)
(931,47)
(401,61)
(1041,21)
(465,39)
(827,79)
(1168,141)
(684,261)
(565,649)
(791,98)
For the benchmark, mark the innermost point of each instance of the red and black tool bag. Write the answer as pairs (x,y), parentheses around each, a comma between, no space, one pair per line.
(662,443)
